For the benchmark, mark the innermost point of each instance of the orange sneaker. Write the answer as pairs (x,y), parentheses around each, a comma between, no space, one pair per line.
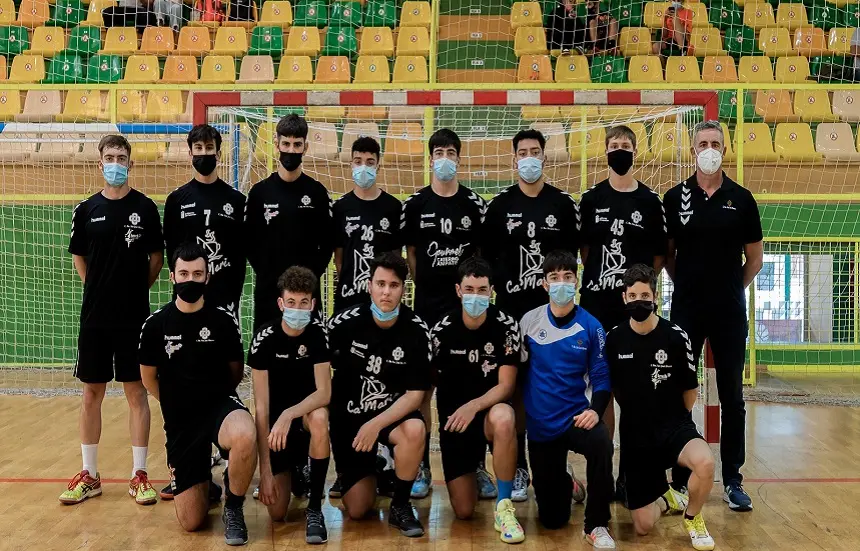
(83,486)
(141,490)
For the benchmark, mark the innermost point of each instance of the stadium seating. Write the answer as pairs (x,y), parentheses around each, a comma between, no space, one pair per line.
(792,69)
(311,13)
(403,144)
(572,68)
(412,69)
(7,12)
(415,14)
(725,15)
(608,69)
(10,104)
(164,105)
(654,14)
(835,142)
(759,15)
(793,143)
(635,41)
(729,155)
(345,14)
(104,69)
(194,41)
(141,69)
(719,69)
(340,41)
(682,69)
(534,68)
(85,41)
(13,40)
(129,105)
(65,68)
(413,41)
(94,12)
(257,69)
(19,150)
(277,13)
(120,41)
(231,41)
(740,41)
(180,69)
(706,41)
(47,41)
(372,69)
(267,40)
(325,113)
(83,106)
(144,150)
(333,70)
(157,40)
(380,13)
(755,69)
(758,144)
(628,14)
(595,139)
(27,69)
(33,13)
(846,105)
(791,16)
(775,42)
(59,148)
(526,14)
(41,106)
(295,69)
(530,41)
(304,41)
(645,69)
(774,105)
(813,105)
(377,41)
(218,69)
(839,41)
(322,141)
(666,145)
(810,41)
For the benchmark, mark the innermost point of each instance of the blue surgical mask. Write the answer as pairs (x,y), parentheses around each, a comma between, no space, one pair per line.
(530,169)
(445,169)
(383,316)
(364,176)
(561,293)
(476,305)
(115,174)
(296,318)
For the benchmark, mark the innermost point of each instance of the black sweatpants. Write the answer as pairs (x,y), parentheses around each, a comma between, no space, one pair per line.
(553,485)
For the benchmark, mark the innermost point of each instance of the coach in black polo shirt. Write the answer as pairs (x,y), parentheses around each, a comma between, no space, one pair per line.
(715,251)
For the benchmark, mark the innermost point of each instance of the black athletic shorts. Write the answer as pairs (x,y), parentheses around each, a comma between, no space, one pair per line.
(645,465)
(108,353)
(296,453)
(352,465)
(462,451)
(189,447)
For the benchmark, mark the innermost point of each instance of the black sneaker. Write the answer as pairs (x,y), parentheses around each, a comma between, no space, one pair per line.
(235,531)
(166,493)
(315,531)
(215,492)
(336,490)
(403,518)
(299,484)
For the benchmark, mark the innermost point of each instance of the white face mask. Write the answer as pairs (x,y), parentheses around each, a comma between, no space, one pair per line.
(709,160)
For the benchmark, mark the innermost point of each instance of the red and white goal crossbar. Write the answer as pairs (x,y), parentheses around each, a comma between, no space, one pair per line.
(707,99)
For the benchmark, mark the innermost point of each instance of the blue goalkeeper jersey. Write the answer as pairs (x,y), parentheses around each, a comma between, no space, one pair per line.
(563,366)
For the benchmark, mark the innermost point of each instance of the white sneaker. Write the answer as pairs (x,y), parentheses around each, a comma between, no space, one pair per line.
(600,538)
(520,491)
(699,536)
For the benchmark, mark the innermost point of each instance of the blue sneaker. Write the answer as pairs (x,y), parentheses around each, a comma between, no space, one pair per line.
(421,486)
(737,498)
(486,485)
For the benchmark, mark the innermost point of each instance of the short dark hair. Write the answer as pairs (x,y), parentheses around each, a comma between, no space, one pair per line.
(114,140)
(558,260)
(204,133)
(620,131)
(529,134)
(366,144)
(475,266)
(189,251)
(293,126)
(297,279)
(390,261)
(640,273)
(443,138)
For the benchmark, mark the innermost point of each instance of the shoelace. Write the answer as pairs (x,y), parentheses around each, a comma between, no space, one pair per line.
(507,518)
(143,482)
(403,513)
(234,518)
(78,477)
(315,518)
(699,526)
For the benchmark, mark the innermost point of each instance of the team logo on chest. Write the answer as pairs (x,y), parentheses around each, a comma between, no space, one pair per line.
(134,219)
(270,212)
(636,217)
(489,348)
(217,262)
(397,354)
(303,350)
(170,346)
(228,209)
(550,221)
(306,201)
(466,222)
(384,224)
(205,333)
(661,356)
(658,376)
(531,267)
(130,235)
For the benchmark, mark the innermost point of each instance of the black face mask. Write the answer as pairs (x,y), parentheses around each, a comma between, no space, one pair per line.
(291,161)
(204,164)
(189,291)
(639,310)
(620,161)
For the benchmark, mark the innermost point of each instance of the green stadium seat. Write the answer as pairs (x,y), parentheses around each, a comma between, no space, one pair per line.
(311,13)
(345,14)
(267,41)
(380,13)
(607,69)
(68,13)
(728,106)
(825,15)
(582,8)
(85,41)
(850,16)
(740,41)
(724,16)
(65,68)
(628,14)
(104,69)
(13,40)
(341,41)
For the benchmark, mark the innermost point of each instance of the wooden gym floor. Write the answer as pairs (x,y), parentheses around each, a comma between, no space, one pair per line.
(802,471)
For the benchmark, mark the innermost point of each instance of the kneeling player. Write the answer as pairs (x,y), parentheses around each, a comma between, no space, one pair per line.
(292,386)
(381,360)
(191,361)
(475,351)
(655,383)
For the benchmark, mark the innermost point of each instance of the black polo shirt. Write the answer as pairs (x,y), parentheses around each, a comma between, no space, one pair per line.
(710,234)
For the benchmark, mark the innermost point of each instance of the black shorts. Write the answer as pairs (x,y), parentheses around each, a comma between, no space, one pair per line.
(295,455)
(353,466)
(645,466)
(108,353)
(462,451)
(189,447)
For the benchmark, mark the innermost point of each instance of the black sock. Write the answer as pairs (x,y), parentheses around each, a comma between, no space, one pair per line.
(402,491)
(688,517)
(319,468)
(522,463)
(426,458)
(232,501)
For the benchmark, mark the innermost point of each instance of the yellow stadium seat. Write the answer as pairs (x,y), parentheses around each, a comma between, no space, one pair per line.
(48,41)
(180,69)
(775,42)
(7,12)
(56,148)
(353,131)
(264,144)
(415,14)
(304,41)
(372,69)
(635,41)
(719,69)
(526,14)
(405,113)
(333,70)
(573,113)
(129,105)
(700,13)
(365,113)
(177,152)
(404,143)
(478,153)
(141,69)
(758,145)
(41,106)
(645,68)
(27,69)
(810,42)
(325,113)
(322,141)
(759,15)
(18,150)
(774,105)
(164,105)
(94,12)
(530,40)
(33,13)
(145,150)
(654,14)
(413,68)
(10,104)
(572,68)
(835,142)
(839,41)
(257,69)
(755,69)
(534,68)
(82,106)
(377,41)
(157,40)
(792,69)
(793,143)
(413,41)
(791,16)
(846,105)
(231,41)
(665,142)
(295,69)
(539,113)
(120,41)
(218,69)
(706,41)
(682,69)
(277,13)
(595,143)
(813,105)
(555,150)
(642,150)
(194,41)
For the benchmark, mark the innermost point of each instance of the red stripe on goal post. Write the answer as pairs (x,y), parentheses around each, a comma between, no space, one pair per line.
(482,97)
(418,97)
(290,98)
(557,97)
(623,97)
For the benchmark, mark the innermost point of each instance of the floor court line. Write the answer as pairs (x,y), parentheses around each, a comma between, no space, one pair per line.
(442,483)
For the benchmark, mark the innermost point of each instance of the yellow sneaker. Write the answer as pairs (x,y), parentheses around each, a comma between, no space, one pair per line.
(141,490)
(506,523)
(676,501)
(702,540)
(82,487)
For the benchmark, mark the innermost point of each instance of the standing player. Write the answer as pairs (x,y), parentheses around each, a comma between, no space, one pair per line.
(292,387)
(655,382)
(441,226)
(191,362)
(381,360)
(288,220)
(475,354)
(715,251)
(118,250)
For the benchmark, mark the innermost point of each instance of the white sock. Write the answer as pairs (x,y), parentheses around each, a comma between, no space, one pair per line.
(138,453)
(90,453)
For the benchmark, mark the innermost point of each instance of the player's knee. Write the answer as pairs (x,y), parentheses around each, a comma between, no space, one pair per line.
(463,509)
(704,467)
(356,511)
(642,525)
(136,395)
(93,394)
(502,419)
(318,421)
(190,522)
(278,513)
(414,432)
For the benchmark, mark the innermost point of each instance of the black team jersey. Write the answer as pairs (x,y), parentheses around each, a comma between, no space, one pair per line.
(364,229)
(210,215)
(444,231)
(518,232)
(466,361)
(116,236)
(374,367)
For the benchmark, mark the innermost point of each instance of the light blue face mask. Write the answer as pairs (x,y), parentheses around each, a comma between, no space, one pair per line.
(561,293)
(364,176)
(475,305)
(383,316)
(115,174)
(296,318)
(530,169)
(445,169)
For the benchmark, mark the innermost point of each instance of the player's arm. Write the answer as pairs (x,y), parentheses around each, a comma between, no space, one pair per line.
(326,236)
(149,376)
(687,377)
(78,240)
(409,233)
(460,420)
(670,209)
(154,242)
(670,258)
(268,490)
(338,260)
(156,262)
(80,263)
(151,353)
(412,260)
(753,260)
(598,376)
(690,397)
(316,399)
(753,248)
(171,225)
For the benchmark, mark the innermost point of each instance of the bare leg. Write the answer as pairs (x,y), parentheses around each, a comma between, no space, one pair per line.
(500,429)
(463,493)
(192,506)
(408,440)
(278,510)
(316,422)
(91,413)
(239,436)
(697,457)
(138,413)
(360,499)
(645,518)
